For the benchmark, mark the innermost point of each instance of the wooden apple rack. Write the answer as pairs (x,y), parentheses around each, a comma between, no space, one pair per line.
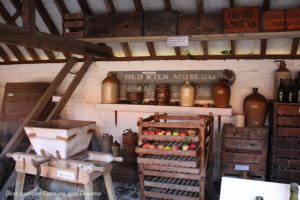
(175,174)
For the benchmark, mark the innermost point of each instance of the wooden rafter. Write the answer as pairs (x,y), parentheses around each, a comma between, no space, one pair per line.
(126,49)
(200,10)
(177,51)
(199,6)
(232,42)
(205,48)
(138,5)
(28,14)
(18,6)
(19,36)
(264,42)
(151,48)
(110,6)
(85,6)
(4,55)
(61,6)
(168,5)
(295,45)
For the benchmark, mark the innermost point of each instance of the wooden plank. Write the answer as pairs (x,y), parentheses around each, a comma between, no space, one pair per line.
(4,55)
(288,121)
(141,150)
(165,162)
(177,51)
(20,36)
(84,6)
(184,170)
(254,169)
(245,144)
(287,132)
(295,46)
(109,186)
(287,143)
(201,37)
(28,14)
(232,45)
(263,47)
(99,26)
(286,164)
(20,134)
(168,5)
(20,180)
(205,48)
(172,186)
(293,154)
(159,195)
(69,91)
(172,175)
(199,5)
(236,157)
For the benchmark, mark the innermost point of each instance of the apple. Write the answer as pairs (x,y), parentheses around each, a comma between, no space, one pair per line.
(146,145)
(168,148)
(161,133)
(175,147)
(152,146)
(183,133)
(157,131)
(160,146)
(175,133)
(192,132)
(168,132)
(185,147)
(149,132)
(193,146)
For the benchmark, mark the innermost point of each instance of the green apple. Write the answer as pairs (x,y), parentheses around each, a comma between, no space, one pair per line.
(168,148)
(175,133)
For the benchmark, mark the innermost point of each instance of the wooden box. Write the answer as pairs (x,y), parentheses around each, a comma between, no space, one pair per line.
(273,20)
(99,26)
(188,25)
(73,25)
(293,19)
(241,19)
(211,23)
(244,150)
(160,23)
(128,24)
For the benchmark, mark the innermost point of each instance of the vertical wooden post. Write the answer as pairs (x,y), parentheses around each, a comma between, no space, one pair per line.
(28,14)
(19,186)
(109,185)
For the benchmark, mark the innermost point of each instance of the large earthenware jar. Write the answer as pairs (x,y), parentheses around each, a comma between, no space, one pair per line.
(255,109)
(187,94)
(221,94)
(109,89)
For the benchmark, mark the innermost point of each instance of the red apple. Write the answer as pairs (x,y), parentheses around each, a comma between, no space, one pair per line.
(160,146)
(146,145)
(168,132)
(175,147)
(183,133)
(185,147)
(193,145)
(152,146)
(157,131)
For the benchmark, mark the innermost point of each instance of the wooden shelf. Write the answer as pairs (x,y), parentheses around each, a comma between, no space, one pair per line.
(204,37)
(165,109)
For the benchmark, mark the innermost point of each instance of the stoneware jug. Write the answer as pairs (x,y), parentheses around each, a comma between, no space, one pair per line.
(109,89)
(221,94)
(255,109)
(187,94)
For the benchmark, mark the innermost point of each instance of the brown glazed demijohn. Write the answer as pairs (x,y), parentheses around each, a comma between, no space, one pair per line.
(255,109)
(221,94)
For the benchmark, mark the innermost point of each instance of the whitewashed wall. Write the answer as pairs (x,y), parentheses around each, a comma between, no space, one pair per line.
(82,105)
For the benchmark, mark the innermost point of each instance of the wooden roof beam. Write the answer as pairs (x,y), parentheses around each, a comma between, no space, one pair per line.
(5,57)
(110,6)
(168,5)
(19,36)
(85,6)
(28,14)
(200,8)
(232,42)
(264,42)
(126,49)
(61,6)
(18,6)
(151,49)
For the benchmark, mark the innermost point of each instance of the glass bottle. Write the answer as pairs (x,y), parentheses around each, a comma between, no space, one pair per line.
(294,190)
(290,91)
(297,91)
(280,91)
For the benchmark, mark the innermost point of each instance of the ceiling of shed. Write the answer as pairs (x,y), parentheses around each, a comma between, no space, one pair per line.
(274,46)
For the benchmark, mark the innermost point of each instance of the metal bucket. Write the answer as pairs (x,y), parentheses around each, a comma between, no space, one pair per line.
(52,189)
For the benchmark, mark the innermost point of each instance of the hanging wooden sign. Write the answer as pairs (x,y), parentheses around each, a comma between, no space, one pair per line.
(293,19)
(273,20)
(241,19)
(146,81)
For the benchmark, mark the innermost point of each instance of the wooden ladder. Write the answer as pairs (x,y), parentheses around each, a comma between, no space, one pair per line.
(46,97)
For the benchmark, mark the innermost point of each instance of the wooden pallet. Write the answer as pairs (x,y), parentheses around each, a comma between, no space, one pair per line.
(244,150)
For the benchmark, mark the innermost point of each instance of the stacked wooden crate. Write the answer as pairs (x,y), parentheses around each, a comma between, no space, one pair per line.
(175,174)
(73,25)
(285,142)
(244,152)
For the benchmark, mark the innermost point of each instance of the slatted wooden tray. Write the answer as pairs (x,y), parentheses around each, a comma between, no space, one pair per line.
(170,138)
(173,161)
(154,192)
(192,153)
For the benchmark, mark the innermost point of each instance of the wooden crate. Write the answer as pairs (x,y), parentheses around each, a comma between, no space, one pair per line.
(128,24)
(160,23)
(73,25)
(284,156)
(99,26)
(211,23)
(293,19)
(273,20)
(175,174)
(188,25)
(241,19)
(244,149)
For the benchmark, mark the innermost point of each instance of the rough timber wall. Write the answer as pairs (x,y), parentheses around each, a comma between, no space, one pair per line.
(82,105)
